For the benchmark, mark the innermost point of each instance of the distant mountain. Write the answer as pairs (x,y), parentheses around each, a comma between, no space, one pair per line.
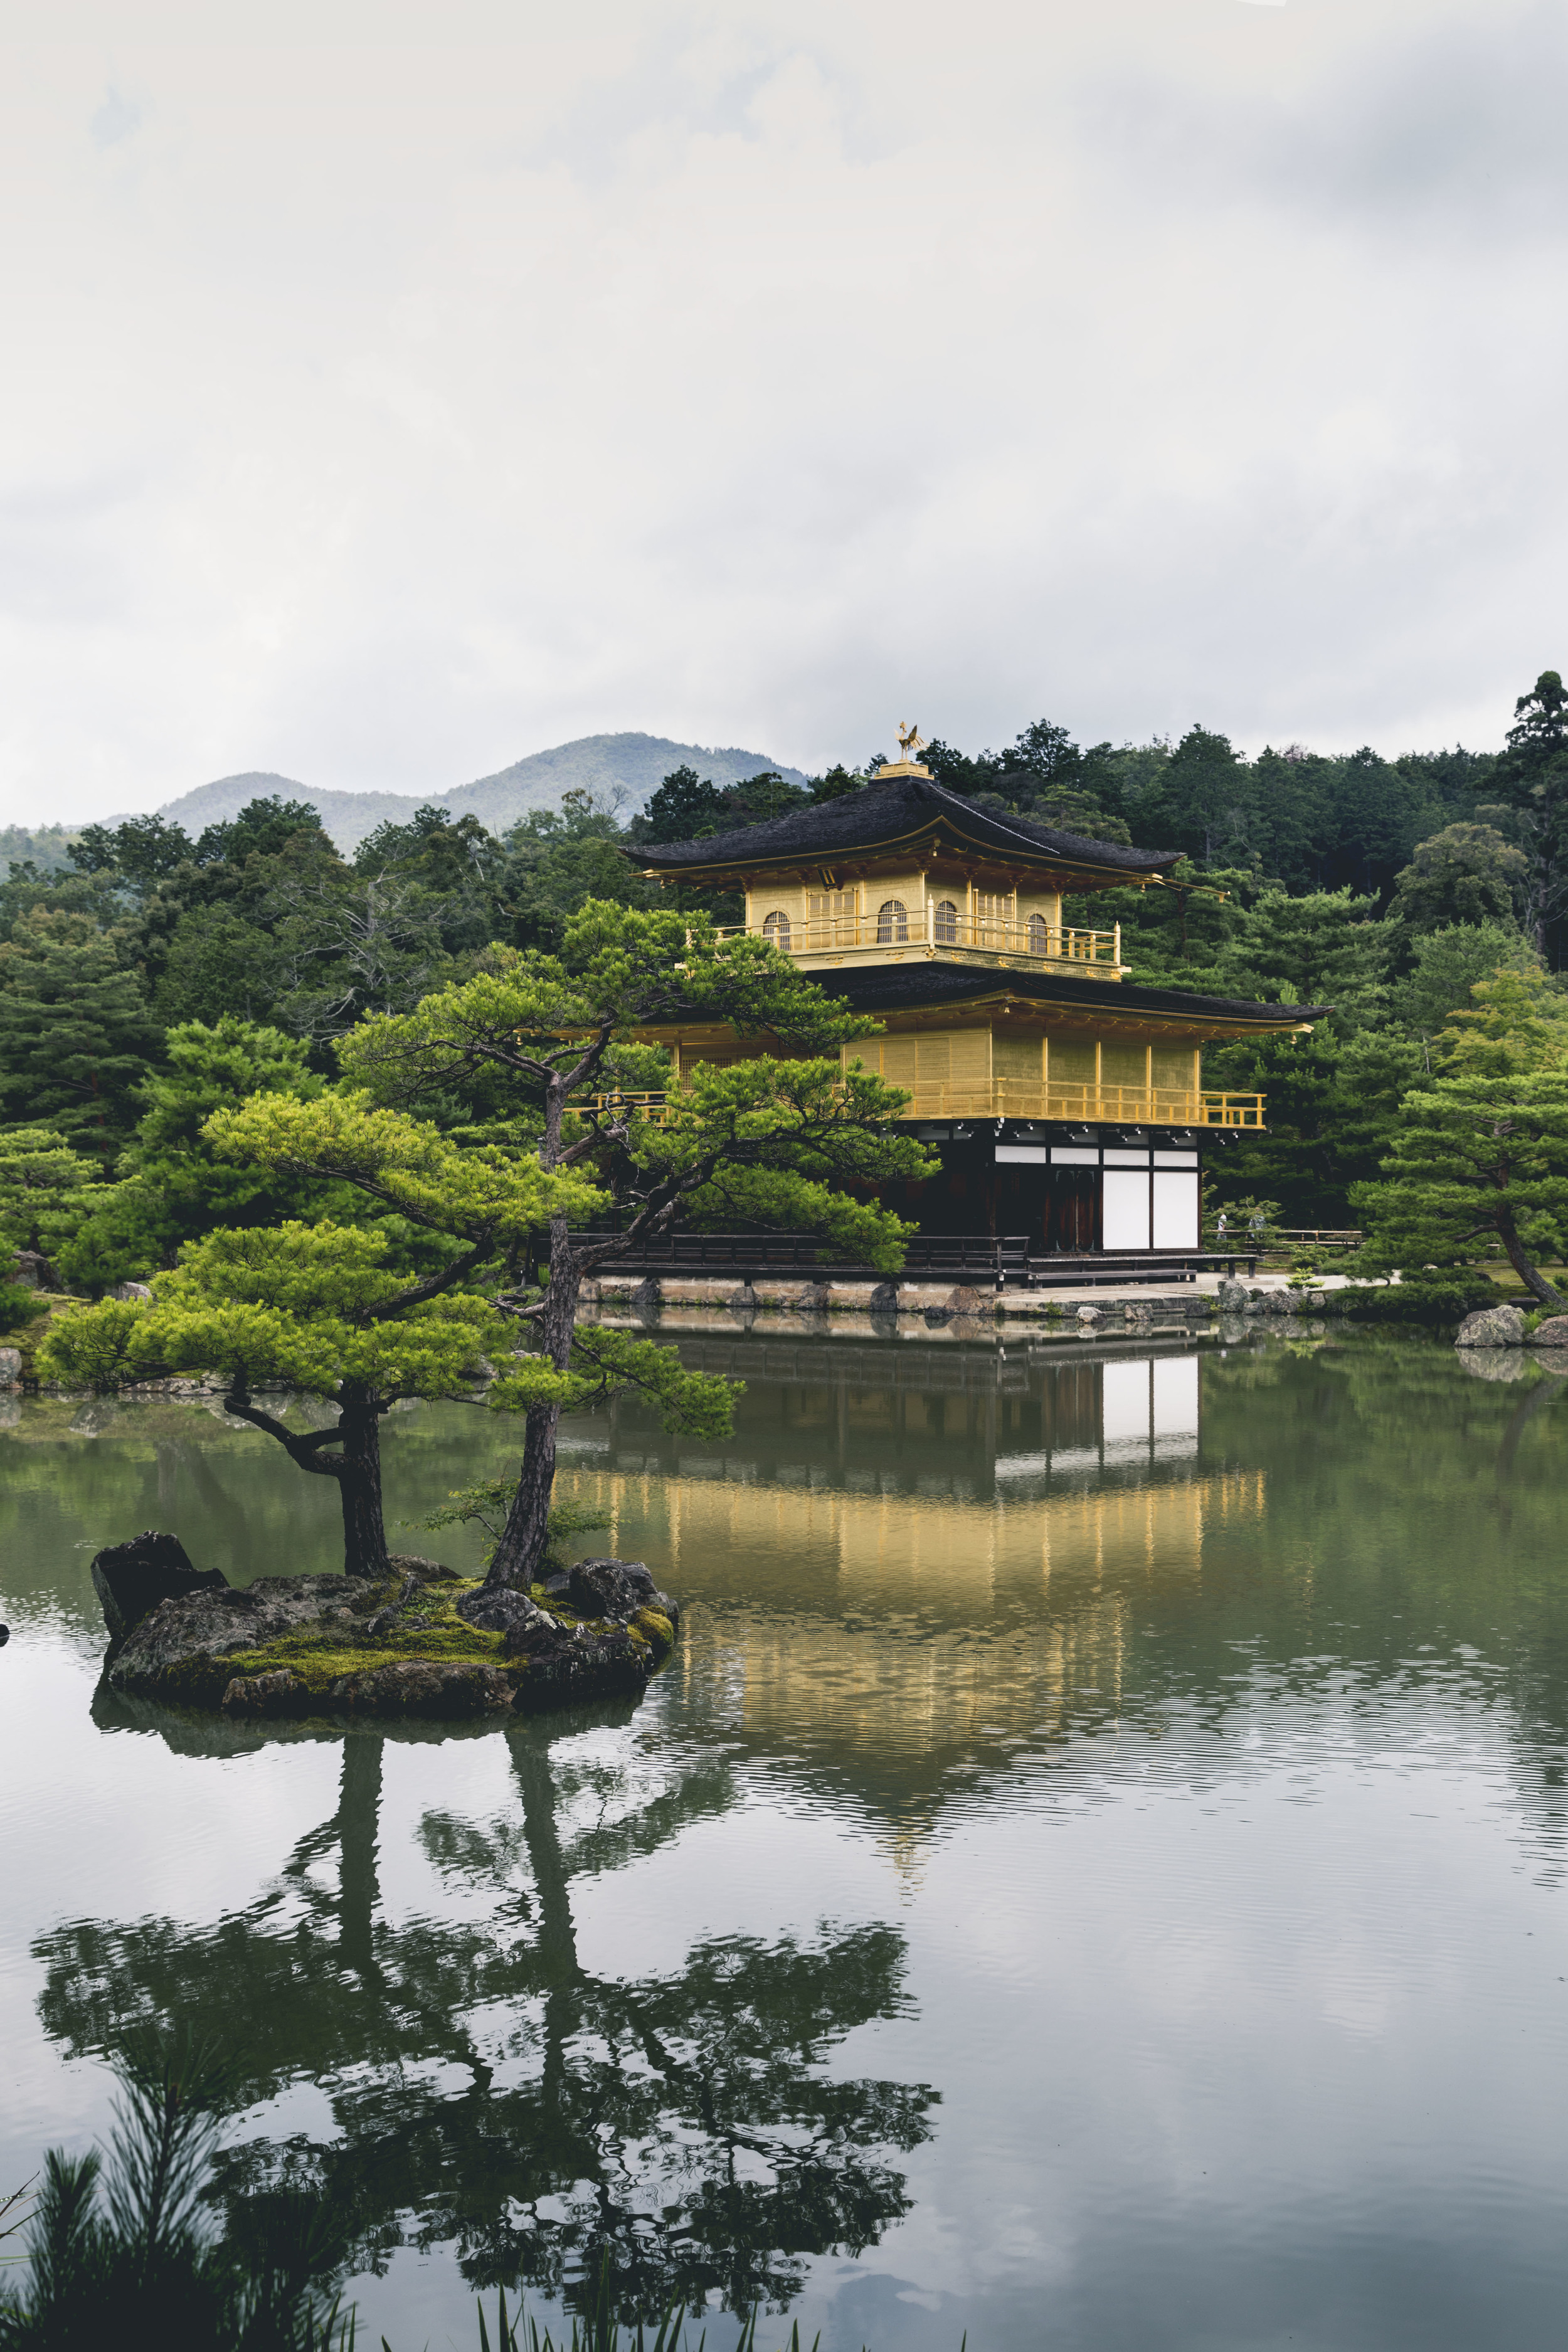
(348,817)
(618,767)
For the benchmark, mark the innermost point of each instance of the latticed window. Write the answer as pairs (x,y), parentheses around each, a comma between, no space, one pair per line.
(832,917)
(991,912)
(945,915)
(776,927)
(1039,936)
(892,921)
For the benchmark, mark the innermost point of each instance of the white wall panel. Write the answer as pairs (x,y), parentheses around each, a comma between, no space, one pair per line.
(1126,1209)
(1175,1209)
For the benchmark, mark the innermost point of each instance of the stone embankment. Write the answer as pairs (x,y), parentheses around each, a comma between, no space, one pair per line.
(1235,1298)
(650,1293)
(959,1308)
(423,1641)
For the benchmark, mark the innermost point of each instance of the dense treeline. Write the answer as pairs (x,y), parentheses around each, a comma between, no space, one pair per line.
(148,978)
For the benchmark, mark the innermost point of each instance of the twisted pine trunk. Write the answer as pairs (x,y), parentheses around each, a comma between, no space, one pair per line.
(1535,1281)
(520,1551)
(359,1483)
(356,1466)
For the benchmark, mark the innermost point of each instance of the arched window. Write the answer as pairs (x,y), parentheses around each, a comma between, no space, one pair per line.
(946,925)
(1039,936)
(776,927)
(892,921)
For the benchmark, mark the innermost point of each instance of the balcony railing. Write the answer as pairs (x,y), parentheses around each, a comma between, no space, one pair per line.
(1035,941)
(1090,1105)
(1014,1099)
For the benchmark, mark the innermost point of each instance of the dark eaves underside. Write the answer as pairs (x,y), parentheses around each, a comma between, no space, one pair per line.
(883,987)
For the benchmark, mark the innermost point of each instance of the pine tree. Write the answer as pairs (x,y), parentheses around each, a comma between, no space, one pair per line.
(686,806)
(1445,965)
(1515,1021)
(785,1142)
(75,1036)
(1476,1160)
(174,1187)
(1465,873)
(327,1308)
(1203,802)
(1532,778)
(1325,948)
(46,1188)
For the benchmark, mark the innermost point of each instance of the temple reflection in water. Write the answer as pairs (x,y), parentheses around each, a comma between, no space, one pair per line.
(920,1551)
(975,1423)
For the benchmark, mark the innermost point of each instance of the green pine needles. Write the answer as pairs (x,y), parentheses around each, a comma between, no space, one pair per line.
(121,2247)
(1477,1159)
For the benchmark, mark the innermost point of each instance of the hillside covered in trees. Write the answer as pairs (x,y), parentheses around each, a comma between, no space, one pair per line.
(149,974)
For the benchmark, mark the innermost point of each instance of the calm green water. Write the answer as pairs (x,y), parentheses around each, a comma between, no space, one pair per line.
(1092,1874)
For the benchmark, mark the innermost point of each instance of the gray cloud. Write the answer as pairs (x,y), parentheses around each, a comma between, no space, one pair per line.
(1453,126)
(448,383)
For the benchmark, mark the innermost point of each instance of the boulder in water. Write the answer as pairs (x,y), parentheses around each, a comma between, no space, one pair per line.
(1494,1327)
(130,1578)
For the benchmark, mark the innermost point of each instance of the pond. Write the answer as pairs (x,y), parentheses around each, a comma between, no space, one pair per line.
(1091,1875)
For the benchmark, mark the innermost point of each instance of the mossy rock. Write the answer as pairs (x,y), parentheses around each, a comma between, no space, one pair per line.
(324,1645)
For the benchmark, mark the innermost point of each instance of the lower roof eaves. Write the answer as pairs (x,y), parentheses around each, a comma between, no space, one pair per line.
(881,989)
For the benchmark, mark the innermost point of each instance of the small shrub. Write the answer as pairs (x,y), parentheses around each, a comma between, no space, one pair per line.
(489,1504)
(1446,1298)
(18,1307)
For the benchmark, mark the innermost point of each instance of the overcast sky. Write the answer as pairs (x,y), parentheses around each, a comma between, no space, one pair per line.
(392,390)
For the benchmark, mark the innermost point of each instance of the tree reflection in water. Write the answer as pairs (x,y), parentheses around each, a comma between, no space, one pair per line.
(682,2126)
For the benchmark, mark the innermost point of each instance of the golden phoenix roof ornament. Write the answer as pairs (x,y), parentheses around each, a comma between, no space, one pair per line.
(911,743)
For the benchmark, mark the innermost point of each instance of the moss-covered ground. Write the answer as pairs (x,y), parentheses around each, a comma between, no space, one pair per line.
(425,1625)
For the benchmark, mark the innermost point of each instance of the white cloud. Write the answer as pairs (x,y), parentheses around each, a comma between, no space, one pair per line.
(396,391)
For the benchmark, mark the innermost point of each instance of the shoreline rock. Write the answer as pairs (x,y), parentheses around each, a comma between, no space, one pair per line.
(1492,1327)
(422,1642)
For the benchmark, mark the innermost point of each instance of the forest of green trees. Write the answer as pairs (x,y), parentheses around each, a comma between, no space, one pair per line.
(148,978)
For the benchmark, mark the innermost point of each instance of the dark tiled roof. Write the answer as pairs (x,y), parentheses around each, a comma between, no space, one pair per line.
(895,988)
(890,812)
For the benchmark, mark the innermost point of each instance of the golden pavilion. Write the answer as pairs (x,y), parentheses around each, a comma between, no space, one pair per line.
(1066,1102)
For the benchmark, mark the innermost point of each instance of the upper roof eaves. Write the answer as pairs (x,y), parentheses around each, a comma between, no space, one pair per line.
(888,813)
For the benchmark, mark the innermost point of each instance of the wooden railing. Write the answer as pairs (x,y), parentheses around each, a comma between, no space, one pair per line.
(1093,1106)
(1015,1260)
(1012,1099)
(1036,941)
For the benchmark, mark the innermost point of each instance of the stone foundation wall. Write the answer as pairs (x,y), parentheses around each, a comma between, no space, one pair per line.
(798,1297)
(860,1307)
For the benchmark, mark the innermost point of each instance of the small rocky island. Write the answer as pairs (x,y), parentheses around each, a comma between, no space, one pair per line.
(422,1640)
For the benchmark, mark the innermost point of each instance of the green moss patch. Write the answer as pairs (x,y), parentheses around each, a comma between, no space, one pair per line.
(321,1654)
